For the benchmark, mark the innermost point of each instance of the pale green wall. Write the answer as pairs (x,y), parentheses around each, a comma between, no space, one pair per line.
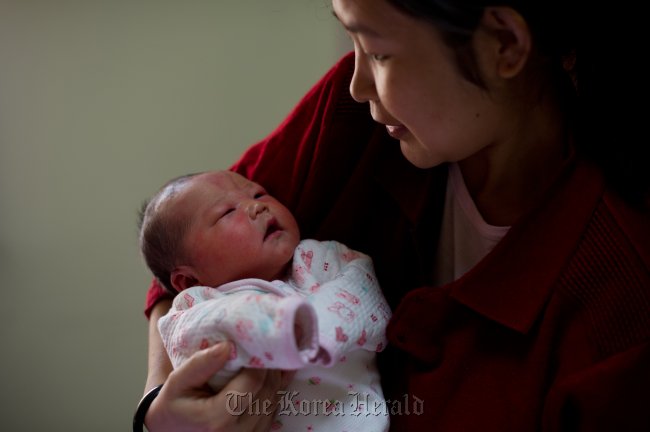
(100,102)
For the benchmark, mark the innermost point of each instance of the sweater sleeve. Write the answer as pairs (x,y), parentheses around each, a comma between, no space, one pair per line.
(268,329)
(613,394)
(324,131)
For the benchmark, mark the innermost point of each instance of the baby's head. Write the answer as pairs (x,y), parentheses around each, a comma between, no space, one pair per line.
(215,227)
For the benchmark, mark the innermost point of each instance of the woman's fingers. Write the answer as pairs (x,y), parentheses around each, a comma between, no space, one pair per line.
(259,416)
(184,403)
(247,403)
(197,370)
(286,377)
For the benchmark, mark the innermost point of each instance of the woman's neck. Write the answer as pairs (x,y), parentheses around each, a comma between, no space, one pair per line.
(509,178)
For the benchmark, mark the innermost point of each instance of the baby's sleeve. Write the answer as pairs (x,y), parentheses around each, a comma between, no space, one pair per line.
(341,285)
(268,330)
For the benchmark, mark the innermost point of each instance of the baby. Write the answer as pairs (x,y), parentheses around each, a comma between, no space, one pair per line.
(234,253)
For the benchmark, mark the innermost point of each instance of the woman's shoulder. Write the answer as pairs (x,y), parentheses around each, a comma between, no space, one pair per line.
(632,221)
(608,223)
(608,276)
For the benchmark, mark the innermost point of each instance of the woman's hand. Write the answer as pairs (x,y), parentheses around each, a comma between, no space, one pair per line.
(185,403)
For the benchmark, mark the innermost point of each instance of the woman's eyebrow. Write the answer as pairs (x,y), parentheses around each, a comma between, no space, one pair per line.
(356,27)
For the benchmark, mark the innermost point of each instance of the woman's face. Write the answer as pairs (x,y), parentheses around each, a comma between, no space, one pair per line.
(409,77)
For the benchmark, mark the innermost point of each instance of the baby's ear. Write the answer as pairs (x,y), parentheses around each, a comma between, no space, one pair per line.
(183,277)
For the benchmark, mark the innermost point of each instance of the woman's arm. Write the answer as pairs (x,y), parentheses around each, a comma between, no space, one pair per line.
(159,366)
(612,394)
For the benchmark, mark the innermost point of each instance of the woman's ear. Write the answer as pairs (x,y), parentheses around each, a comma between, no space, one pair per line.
(509,40)
(183,277)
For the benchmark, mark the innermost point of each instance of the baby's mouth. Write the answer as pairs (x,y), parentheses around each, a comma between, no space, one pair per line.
(271,228)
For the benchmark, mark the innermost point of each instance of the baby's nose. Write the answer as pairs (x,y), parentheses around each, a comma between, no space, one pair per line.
(255,208)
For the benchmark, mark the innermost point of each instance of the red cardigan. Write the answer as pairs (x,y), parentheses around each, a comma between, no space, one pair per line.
(550,331)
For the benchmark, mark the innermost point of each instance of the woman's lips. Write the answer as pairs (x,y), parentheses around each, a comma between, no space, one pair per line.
(397,131)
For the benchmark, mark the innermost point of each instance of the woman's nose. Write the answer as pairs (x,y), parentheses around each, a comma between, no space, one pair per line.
(255,208)
(362,86)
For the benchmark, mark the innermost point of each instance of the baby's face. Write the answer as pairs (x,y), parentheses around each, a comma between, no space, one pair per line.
(237,230)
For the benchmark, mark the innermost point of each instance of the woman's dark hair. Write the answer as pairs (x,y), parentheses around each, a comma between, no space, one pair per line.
(594,52)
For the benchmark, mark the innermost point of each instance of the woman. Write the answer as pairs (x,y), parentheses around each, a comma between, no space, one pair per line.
(514,243)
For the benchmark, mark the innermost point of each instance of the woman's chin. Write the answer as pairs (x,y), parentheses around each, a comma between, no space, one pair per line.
(414,154)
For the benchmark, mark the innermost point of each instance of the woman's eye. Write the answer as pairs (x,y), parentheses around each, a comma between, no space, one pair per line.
(259,194)
(378,57)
